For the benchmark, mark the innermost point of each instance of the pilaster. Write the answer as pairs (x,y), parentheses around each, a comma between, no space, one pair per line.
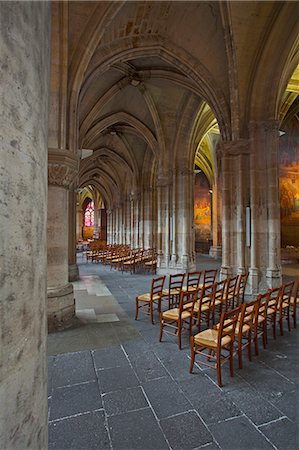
(62,173)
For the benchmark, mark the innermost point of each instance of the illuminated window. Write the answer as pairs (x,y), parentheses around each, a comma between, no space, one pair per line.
(89,215)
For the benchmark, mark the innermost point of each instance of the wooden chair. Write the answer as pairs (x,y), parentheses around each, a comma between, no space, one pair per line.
(193,279)
(217,297)
(202,307)
(294,300)
(245,329)
(216,344)
(146,301)
(285,305)
(230,293)
(209,277)
(172,294)
(272,307)
(175,318)
(240,289)
(260,321)
(151,263)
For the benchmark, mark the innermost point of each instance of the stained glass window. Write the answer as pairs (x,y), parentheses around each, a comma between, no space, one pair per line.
(89,215)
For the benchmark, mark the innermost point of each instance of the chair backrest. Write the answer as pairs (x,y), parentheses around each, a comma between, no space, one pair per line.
(274,298)
(227,325)
(205,297)
(187,301)
(241,286)
(209,276)
(218,291)
(157,286)
(176,281)
(231,287)
(262,300)
(248,314)
(193,279)
(286,293)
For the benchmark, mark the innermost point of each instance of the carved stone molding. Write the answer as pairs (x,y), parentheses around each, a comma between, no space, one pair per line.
(264,126)
(62,168)
(234,148)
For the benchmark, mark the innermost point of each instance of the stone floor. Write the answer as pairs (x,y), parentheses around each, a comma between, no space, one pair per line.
(113,385)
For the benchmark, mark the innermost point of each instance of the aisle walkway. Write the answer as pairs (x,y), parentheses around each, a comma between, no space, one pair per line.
(112,385)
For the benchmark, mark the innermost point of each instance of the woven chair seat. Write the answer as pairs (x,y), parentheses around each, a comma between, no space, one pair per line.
(208,338)
(174,314)
(147,297)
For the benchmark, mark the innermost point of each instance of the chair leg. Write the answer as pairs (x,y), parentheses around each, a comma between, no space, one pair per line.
(274,327)
(249,346)
(218,368)
(288,319)
(180,335)
(231,360)
(192,354)
(240,353)
(136,313)
(151,313)
(281,323)
(161,329)
(256,347)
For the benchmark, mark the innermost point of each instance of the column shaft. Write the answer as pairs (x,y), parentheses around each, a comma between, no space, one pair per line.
(25,57)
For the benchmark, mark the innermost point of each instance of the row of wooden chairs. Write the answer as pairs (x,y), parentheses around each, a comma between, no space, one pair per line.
(202,304)
(241,326)
(123,258)
(241,323)
(225,294)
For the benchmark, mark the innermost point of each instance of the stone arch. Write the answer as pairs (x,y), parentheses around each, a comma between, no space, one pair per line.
(89,41)
(148,46)
(126,118)
(276,66)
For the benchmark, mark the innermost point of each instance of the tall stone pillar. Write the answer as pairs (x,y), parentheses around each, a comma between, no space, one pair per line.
(216,248)
(79,223)
(265,264)
(226,267)
(183,219)
(23,218)
(163,250)
(147,218)
(73,267)
(109,221)
(96,221)
(62,169)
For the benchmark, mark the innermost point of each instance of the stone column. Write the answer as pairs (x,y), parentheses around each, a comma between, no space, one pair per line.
(147,218)
(62,169)
(265,266)
(183,219)
(96,221)
(109,226)
(25,58)
(163,223)
(216,249)
(226,268)
(79,223)
(73,268)
(241,213)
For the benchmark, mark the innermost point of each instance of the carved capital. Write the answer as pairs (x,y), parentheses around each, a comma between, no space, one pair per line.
(62,168)
(234,148)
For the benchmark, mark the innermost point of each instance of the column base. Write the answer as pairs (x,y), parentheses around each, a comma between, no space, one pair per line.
(253,281)
(215,251)
(61,308)
(73,272)
(274,278)
(225,272)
